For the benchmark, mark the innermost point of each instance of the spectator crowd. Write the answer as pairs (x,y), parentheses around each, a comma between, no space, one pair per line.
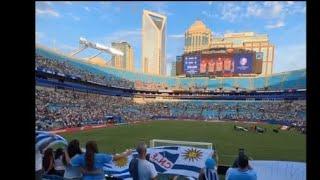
(57,108)
(67,68)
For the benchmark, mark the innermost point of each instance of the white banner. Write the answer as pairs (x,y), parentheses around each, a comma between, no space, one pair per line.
(178,160)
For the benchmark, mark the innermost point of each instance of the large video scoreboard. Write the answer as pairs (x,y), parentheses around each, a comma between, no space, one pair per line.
(218,63)
(191,64)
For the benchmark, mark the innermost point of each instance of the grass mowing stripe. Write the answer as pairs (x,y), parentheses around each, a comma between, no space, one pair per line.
(285,145)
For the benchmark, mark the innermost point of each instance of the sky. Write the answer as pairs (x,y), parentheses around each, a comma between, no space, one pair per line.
(60,25)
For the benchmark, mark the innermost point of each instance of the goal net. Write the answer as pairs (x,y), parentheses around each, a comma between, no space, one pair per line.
(162,142)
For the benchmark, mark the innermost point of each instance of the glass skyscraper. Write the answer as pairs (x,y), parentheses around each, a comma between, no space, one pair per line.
(153,43)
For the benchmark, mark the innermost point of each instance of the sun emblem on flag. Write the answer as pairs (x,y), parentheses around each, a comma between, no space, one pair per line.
(192,154)
(121,162)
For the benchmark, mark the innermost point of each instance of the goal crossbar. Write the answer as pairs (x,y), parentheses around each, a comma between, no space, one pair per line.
(185,143)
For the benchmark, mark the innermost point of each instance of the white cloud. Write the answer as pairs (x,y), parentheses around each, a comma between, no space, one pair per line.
(253,9)
(296,10)
(68,2)
(231,12)
(47,11)
(276,9)
(210,3)
(105,3)
(176,36)
(87,9)
(48,3)
(279,24)
(290,2)
(208,14)
(265,10)
(160,7)
(290,57)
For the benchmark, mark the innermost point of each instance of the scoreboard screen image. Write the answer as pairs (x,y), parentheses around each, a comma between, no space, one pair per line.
(243,63)
(192,64)
(212,63)
(206,60)
(219,63)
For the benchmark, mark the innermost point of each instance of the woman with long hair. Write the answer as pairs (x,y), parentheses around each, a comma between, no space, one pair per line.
(73,150)
(92,161)
(48,162)
(59,162)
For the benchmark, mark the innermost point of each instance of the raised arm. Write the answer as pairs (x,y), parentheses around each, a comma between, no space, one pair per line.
(126,153)
(66,155)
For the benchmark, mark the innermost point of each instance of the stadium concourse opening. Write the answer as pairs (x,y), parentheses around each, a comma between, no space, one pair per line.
(83,101)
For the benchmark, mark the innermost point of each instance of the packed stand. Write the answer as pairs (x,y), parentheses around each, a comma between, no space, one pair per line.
(66,68)
(56,109)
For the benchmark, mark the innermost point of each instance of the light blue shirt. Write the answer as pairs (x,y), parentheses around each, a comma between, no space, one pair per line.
(236,174)
(99,160)
(72,172)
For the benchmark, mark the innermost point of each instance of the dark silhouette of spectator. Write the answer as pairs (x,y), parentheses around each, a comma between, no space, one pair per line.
(242,172)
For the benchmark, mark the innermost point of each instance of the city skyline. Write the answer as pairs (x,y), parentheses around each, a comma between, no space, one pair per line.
(62,23)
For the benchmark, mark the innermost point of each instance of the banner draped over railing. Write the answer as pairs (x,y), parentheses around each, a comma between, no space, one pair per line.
(178,160)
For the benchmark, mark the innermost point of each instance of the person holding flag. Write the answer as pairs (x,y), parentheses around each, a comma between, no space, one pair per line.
(91,162)
(43,141)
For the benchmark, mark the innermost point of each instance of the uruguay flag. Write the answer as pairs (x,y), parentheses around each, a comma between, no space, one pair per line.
(178,160)
(45,139)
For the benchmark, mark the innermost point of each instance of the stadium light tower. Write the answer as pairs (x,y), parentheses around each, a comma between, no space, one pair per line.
(84,44)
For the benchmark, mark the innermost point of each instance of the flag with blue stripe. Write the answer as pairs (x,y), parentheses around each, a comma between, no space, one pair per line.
(178,160)
(45,139)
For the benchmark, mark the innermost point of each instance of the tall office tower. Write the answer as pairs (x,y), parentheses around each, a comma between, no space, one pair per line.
(197,37)
(153,43)
(126,61)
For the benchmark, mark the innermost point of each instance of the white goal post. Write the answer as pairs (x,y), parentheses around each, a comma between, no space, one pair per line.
(162,142)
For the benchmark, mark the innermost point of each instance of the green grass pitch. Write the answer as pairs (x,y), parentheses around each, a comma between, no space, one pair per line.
(285,145)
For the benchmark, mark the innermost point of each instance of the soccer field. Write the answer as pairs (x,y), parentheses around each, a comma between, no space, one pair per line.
(285,145)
